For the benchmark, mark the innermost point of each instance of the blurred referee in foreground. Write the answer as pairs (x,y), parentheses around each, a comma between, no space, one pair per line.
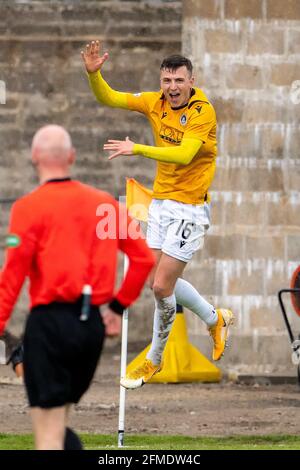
(65,236)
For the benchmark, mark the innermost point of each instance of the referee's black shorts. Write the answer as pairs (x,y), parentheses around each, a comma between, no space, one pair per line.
(60,353)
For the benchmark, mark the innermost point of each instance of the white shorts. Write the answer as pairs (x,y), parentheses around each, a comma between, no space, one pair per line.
(177,228)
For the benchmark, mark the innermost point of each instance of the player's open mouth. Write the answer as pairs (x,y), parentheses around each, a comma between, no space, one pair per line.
(174,95)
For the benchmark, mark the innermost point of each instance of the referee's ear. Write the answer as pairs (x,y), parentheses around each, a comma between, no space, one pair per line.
(72,156)
(34,156)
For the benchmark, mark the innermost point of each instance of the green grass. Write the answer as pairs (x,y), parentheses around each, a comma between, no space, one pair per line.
(147,442)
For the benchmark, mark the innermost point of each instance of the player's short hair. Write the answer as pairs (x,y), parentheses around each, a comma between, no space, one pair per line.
(173,62)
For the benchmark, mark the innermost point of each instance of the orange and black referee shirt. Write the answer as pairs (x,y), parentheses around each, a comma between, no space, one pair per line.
(66,234)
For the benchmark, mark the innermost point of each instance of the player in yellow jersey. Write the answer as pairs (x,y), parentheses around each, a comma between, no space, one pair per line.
(184,127)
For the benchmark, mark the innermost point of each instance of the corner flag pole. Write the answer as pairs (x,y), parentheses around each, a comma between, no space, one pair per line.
(122,399)
(138,197)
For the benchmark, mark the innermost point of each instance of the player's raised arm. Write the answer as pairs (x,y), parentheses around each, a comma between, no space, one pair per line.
(93,61)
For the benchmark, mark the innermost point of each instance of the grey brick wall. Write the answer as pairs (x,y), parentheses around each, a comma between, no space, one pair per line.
(246,55)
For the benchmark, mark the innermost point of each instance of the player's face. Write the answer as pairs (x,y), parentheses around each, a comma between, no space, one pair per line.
(176,85)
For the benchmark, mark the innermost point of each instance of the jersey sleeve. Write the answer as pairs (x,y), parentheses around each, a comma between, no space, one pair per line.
(20,249)
(181,154)
(202,120)
(116,99)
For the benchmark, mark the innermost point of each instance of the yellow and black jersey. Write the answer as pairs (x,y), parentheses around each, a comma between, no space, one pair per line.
(185,139)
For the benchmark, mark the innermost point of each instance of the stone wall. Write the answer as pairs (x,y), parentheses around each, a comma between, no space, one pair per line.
(246,55)
(40,43)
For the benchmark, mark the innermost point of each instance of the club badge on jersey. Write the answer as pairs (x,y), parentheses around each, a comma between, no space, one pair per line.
(183,119)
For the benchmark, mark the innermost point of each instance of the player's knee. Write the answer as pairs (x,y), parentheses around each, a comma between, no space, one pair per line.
(160,291)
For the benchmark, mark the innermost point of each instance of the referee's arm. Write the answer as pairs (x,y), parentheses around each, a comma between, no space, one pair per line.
(18,258)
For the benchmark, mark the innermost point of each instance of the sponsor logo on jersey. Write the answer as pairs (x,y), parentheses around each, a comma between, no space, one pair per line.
(137,94)
(169,134)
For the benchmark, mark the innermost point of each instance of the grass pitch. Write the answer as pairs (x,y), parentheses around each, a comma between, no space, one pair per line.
(154,442)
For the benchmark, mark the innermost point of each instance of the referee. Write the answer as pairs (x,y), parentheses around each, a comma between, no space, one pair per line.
(56,238)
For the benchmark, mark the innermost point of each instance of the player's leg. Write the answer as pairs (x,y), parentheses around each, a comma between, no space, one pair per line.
(185,235)
(167,271)
(217,320)
(178,231)
(155,236)
(157,253)
(189,297)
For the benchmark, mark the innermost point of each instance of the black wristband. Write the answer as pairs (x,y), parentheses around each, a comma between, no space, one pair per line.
(117,307)
(17,356)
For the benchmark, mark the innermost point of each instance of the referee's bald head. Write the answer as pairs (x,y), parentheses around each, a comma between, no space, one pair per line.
(51,144)
(52,153)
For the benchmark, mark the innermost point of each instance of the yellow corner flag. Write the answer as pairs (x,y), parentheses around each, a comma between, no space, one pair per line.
(138,199)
